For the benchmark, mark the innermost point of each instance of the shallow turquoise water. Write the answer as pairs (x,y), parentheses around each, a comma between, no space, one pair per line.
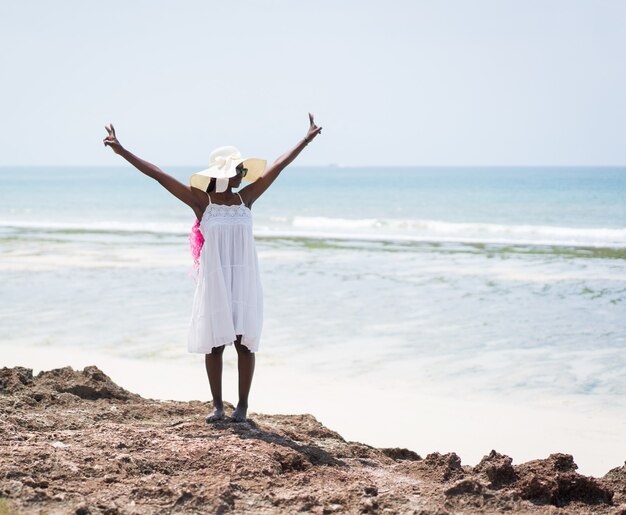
(510,281)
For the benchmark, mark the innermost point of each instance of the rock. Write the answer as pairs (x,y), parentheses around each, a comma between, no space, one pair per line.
(11,488)
(90,384)
(74,442)
(399,454)
(82,509)
(618,473)
(466,486)
(497,468)
(446,466)
(15,379)
(555,481)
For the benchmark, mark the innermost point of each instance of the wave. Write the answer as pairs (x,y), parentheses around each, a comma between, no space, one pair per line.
(377,229)
(98,227)
(464,232)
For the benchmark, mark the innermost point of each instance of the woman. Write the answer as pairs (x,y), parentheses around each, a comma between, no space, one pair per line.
(228,302)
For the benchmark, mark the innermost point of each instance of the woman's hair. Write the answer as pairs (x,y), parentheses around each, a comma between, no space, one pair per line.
(211,185)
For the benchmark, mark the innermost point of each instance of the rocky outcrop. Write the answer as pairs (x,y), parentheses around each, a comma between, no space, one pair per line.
(75,442)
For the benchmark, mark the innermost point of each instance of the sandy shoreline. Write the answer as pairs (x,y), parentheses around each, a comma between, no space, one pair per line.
(382,417)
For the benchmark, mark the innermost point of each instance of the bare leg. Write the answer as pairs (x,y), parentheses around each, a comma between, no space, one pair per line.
(213,362)
(245,366)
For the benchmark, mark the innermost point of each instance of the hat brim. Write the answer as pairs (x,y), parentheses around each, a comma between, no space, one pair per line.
(255,167)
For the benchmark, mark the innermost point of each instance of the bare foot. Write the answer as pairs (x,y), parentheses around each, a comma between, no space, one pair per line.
(239,415)
(218,414)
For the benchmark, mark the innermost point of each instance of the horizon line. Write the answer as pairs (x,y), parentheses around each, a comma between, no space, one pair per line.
(337,165)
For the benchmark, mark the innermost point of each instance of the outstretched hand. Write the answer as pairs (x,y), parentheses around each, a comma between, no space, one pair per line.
(314,130)
(111,139)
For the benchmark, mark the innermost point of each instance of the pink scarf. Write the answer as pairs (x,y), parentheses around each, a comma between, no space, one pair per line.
(196,240)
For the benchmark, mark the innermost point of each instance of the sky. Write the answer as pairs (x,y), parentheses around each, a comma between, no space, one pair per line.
(397,83)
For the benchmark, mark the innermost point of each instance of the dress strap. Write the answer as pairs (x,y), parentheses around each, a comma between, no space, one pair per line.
(209,197)
(240,198)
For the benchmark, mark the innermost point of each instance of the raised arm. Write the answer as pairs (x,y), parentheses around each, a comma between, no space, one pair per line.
(253,191)
(171,184)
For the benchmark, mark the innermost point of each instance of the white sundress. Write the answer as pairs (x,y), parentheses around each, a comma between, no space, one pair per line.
(228,300)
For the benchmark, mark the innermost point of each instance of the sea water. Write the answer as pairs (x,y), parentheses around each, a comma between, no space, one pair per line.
(507,281)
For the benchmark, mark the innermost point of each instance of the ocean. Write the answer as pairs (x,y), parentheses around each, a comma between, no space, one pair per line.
(509,282)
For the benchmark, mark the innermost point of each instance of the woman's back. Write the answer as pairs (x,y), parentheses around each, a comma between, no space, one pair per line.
(229,298)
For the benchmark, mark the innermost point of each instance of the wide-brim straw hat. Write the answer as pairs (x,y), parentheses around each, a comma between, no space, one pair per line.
(223,162)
